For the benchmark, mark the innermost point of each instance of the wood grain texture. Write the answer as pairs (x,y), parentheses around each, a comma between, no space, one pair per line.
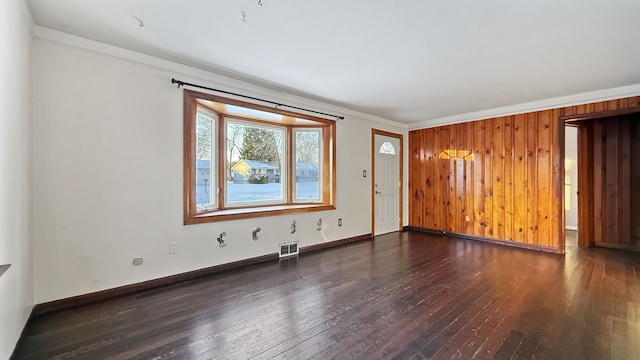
(585,186)
(76,301)
(513,189)
(609,205)
(405,295)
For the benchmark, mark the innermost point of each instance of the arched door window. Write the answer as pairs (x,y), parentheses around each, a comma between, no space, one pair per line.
(387,148)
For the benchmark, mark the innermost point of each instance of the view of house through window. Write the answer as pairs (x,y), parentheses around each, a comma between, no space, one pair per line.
(255,161)
(249,157)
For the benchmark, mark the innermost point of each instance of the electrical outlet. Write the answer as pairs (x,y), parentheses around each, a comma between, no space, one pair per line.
(466,218)
(173,247)
(137,261)
(340,222)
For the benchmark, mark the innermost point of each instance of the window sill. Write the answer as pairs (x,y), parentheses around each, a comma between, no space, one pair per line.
(249,213)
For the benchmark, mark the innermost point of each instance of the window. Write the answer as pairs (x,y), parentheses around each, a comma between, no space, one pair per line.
(387,148)
(245,160)
(308,157)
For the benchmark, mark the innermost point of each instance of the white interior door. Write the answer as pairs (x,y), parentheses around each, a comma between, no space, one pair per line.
(387,184)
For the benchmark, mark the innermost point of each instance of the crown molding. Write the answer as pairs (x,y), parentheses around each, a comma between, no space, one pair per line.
(554,103)
(210,78)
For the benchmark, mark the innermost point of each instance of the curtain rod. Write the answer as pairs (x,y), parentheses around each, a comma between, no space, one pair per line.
(182,83)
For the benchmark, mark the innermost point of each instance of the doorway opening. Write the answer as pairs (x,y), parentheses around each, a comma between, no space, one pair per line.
(609,178)
(571,185)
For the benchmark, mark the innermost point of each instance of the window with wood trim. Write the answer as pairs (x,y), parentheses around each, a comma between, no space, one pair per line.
(244,160)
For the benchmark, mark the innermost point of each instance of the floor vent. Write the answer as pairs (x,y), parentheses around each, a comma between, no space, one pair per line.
(289,249)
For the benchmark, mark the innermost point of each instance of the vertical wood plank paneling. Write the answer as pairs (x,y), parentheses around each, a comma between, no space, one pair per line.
(611,194)
(460,225)
(635,183)
(568,111)
(531,182)
(478,179)
(498,186)
(600,107)
(416,178)
(610,205)
(625,182)
(488,178)
(513,187)
(440,178)
(543,174)
(557,210)
(598,167)
(429,194)
(520,178)
(448,186)
(469,166)
(623,103)
(508,199)
(415,158)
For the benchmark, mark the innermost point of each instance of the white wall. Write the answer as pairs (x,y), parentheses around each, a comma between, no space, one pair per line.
(571,171)
(108,173)
(16,285)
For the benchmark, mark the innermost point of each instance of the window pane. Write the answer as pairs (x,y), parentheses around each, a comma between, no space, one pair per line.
(308,159)
(255,164)
(205,161)
(387,148)
(232,109)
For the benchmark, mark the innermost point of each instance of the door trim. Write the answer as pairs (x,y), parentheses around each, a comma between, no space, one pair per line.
(374,151)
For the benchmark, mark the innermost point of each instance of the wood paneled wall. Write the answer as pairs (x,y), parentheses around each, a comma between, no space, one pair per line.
(611,193)
(508,191)
(512,189)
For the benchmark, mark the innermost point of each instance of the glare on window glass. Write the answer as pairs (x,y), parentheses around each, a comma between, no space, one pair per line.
(307,166)
(252,112)
(204,161)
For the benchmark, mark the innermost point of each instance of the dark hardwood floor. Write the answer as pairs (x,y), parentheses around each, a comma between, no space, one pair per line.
(400,296)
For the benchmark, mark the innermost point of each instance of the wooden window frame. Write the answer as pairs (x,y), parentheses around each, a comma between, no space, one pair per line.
(222,213)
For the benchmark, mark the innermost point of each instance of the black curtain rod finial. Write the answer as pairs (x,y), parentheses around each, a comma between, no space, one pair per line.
(174,81)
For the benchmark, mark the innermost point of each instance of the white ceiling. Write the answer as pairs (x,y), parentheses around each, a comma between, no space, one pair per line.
(409,61)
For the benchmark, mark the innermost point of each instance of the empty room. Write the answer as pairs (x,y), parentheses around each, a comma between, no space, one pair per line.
(261,179)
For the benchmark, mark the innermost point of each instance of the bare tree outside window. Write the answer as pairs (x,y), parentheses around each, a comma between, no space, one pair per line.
(307,167)
(235,134)
(203,137)
(307,147)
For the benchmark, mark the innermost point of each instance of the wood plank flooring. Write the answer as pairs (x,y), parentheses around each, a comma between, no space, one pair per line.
(399,296)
